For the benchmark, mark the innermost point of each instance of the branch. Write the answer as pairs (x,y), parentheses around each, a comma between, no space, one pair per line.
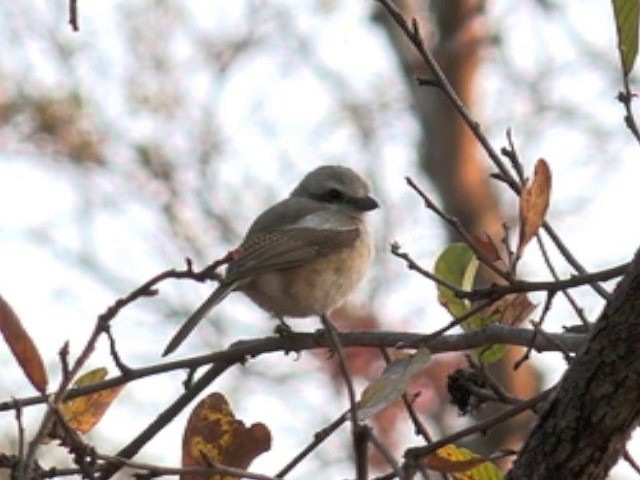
(496,291)
(360,441)
(625,98)
(102,325)
(413,455)
(298,341)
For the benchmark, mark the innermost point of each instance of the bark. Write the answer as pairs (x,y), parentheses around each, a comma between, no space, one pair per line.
(583,430)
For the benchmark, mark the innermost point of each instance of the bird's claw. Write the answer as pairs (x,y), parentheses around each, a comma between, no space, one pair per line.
(282,329)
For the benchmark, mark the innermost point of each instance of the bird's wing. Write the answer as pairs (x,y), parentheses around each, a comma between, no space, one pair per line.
(280,250)
(289,234)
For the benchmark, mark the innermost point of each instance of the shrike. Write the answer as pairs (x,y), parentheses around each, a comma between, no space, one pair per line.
(303,255)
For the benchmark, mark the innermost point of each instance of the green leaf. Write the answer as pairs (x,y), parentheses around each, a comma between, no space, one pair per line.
(457,265)
(626,13)
(393,382)
(490,353)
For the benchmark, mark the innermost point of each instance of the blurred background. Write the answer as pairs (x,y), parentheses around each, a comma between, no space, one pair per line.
(162,128)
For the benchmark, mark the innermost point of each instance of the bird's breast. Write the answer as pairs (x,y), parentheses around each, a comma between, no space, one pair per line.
(313,288)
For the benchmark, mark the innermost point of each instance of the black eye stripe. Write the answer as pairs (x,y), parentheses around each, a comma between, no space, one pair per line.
(334,194)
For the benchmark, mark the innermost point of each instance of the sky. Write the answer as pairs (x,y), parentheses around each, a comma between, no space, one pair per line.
(592,195)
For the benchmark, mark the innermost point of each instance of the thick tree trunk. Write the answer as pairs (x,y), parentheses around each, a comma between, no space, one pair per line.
(582,432)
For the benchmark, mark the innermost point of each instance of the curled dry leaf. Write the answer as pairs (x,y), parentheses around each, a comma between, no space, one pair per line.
(512,309)
(534,202)
(488,249)
(213,433)
(22,347)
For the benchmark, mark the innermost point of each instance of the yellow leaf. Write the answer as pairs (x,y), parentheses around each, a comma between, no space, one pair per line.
(83,413)
(463,464)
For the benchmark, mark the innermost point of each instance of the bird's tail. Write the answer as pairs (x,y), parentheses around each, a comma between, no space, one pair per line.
(215,298)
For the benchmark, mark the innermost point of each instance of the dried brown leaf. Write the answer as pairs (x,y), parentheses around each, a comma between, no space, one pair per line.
(534,202)
(487,247)
(512,309)
(22,347)
(213,432)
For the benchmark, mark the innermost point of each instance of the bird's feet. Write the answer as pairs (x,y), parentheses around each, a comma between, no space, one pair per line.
(282,329)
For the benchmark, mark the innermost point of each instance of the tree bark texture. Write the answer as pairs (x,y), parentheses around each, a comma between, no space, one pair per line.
(584,428)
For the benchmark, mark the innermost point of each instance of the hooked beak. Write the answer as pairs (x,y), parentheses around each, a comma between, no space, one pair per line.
(364,204)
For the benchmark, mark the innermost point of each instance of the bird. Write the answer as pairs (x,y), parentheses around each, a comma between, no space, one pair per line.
(302,256)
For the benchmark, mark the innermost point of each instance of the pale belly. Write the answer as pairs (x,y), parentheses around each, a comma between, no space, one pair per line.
(314,288)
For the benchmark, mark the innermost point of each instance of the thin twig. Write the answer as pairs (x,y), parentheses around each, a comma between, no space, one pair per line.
(551,286)
(20,427)
(212,469)
(561,348)
(630,460)
(512,154)
(455,224)
(556,277)
(319,437)
(625,98)
(415,453)
(412,32)
(386,453)
(73,15)
(163,419)
(123,367)
(545,310)
(356,428)
(145,290)
(496,291)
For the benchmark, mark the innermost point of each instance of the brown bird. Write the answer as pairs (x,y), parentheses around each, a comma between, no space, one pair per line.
(303,255)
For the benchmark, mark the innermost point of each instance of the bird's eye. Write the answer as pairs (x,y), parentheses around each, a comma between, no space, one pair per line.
(334,195)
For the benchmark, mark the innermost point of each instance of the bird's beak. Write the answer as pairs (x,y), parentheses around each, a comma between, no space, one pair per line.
(365,204)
